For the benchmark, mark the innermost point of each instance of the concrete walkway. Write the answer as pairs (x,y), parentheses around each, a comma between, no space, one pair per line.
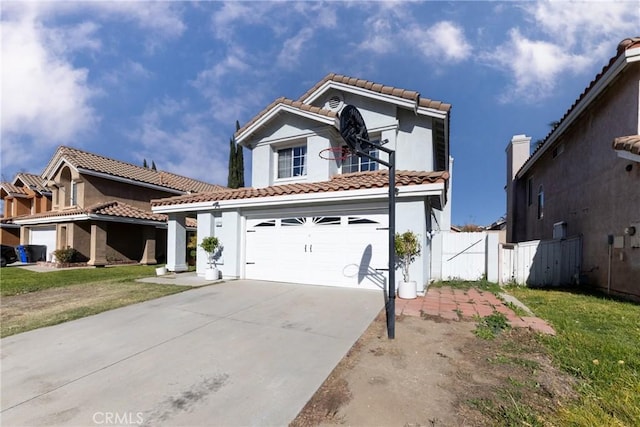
(457,304)
(238,353)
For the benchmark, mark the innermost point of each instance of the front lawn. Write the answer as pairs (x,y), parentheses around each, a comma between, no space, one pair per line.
(598,342)
(19,280)
(33,300)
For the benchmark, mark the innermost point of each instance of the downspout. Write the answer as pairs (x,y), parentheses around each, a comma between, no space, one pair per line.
(610,244)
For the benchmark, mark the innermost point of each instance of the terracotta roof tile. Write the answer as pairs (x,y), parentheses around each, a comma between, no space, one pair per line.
(379,88)
(31,180)
(629,143)
(345,182)
(13,190)
(112,208)
(290,102)
(94,162)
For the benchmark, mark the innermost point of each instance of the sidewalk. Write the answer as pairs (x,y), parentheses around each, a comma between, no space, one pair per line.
(459,304)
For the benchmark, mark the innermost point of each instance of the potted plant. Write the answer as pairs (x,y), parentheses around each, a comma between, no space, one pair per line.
(407,249)
(211,246)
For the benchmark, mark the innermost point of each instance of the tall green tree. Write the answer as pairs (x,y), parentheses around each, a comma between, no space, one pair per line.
(235,177)
(232,176)
(239,167)
(153,165)
(144,164)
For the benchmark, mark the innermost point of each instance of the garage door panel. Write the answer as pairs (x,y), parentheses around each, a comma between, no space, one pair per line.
(337,251)
(45,236)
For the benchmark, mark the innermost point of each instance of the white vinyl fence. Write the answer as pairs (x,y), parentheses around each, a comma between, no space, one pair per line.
(541,262)
(470,256)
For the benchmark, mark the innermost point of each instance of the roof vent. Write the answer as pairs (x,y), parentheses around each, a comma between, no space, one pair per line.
(334,103)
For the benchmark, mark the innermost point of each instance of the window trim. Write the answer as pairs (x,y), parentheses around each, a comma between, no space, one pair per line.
(304,165)
(540,202)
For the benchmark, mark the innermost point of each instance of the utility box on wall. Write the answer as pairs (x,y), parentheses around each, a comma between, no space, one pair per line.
(560,230)
(633,231)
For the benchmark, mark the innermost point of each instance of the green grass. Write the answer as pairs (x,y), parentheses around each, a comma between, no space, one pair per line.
(14,281)
(483,285)
(33,300)
(491,326)
(598,342)
(87,300)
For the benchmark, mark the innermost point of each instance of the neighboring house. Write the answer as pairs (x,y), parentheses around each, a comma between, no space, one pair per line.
(101,208)
(25,195)
(584,179)
(313,221)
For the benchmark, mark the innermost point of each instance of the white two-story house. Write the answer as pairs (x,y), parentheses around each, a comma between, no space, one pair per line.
(324,222)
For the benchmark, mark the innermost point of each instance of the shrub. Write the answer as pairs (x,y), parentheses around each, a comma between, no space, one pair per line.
(66,255)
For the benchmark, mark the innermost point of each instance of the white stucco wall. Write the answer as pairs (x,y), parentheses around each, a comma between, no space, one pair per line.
(410,217)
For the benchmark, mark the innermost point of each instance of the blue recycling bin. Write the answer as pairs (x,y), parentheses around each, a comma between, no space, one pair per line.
(22,253)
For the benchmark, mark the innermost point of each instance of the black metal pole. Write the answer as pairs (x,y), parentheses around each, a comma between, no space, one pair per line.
(391,303)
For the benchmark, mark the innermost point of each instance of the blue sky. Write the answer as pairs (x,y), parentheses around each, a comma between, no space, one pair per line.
(166,81)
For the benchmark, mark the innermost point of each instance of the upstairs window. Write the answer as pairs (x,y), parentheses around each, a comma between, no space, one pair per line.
(74,193)
(354,163)
(540,202)
(292,162)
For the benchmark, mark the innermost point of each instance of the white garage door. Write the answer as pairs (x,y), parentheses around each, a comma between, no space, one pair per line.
(44,236)
(345,251)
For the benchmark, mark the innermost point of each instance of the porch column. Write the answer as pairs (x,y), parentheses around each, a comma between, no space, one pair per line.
(206,228)
(98,252)
(149,245)
(177,243)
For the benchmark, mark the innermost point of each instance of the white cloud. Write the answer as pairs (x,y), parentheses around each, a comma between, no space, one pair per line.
(563,39)
(443,41)
(181,142)
(293,48)
(44,98)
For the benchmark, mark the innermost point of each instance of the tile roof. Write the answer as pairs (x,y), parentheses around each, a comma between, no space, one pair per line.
(344,182)
(14,190)
(111,208)
(623,46)
(376,87)
(94,162)
(31,180)
(629,143)
(290,102)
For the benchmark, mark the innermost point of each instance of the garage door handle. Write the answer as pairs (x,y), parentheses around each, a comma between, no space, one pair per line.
(250,263)
(310,248)
(305,248)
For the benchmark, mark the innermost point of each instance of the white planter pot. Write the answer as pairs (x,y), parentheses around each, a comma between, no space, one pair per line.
(161,271)
(407,290)
(211,274)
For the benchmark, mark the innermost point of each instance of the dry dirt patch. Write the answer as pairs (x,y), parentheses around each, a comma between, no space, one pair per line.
(19,313)
(438,373)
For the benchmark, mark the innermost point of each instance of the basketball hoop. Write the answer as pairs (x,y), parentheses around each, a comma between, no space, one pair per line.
(335,153)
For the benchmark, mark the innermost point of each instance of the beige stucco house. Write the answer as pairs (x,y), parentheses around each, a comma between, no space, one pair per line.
(101,207)
(25,195)
(584,179)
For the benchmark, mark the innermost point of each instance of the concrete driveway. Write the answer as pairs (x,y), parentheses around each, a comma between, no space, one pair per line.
(239,353)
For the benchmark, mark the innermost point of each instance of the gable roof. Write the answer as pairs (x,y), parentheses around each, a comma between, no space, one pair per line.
(31,183)
(344,182)
(112,209)
(408,98)
(282,103)
(414,96)
(599,84)
(94,164)
(31,180)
